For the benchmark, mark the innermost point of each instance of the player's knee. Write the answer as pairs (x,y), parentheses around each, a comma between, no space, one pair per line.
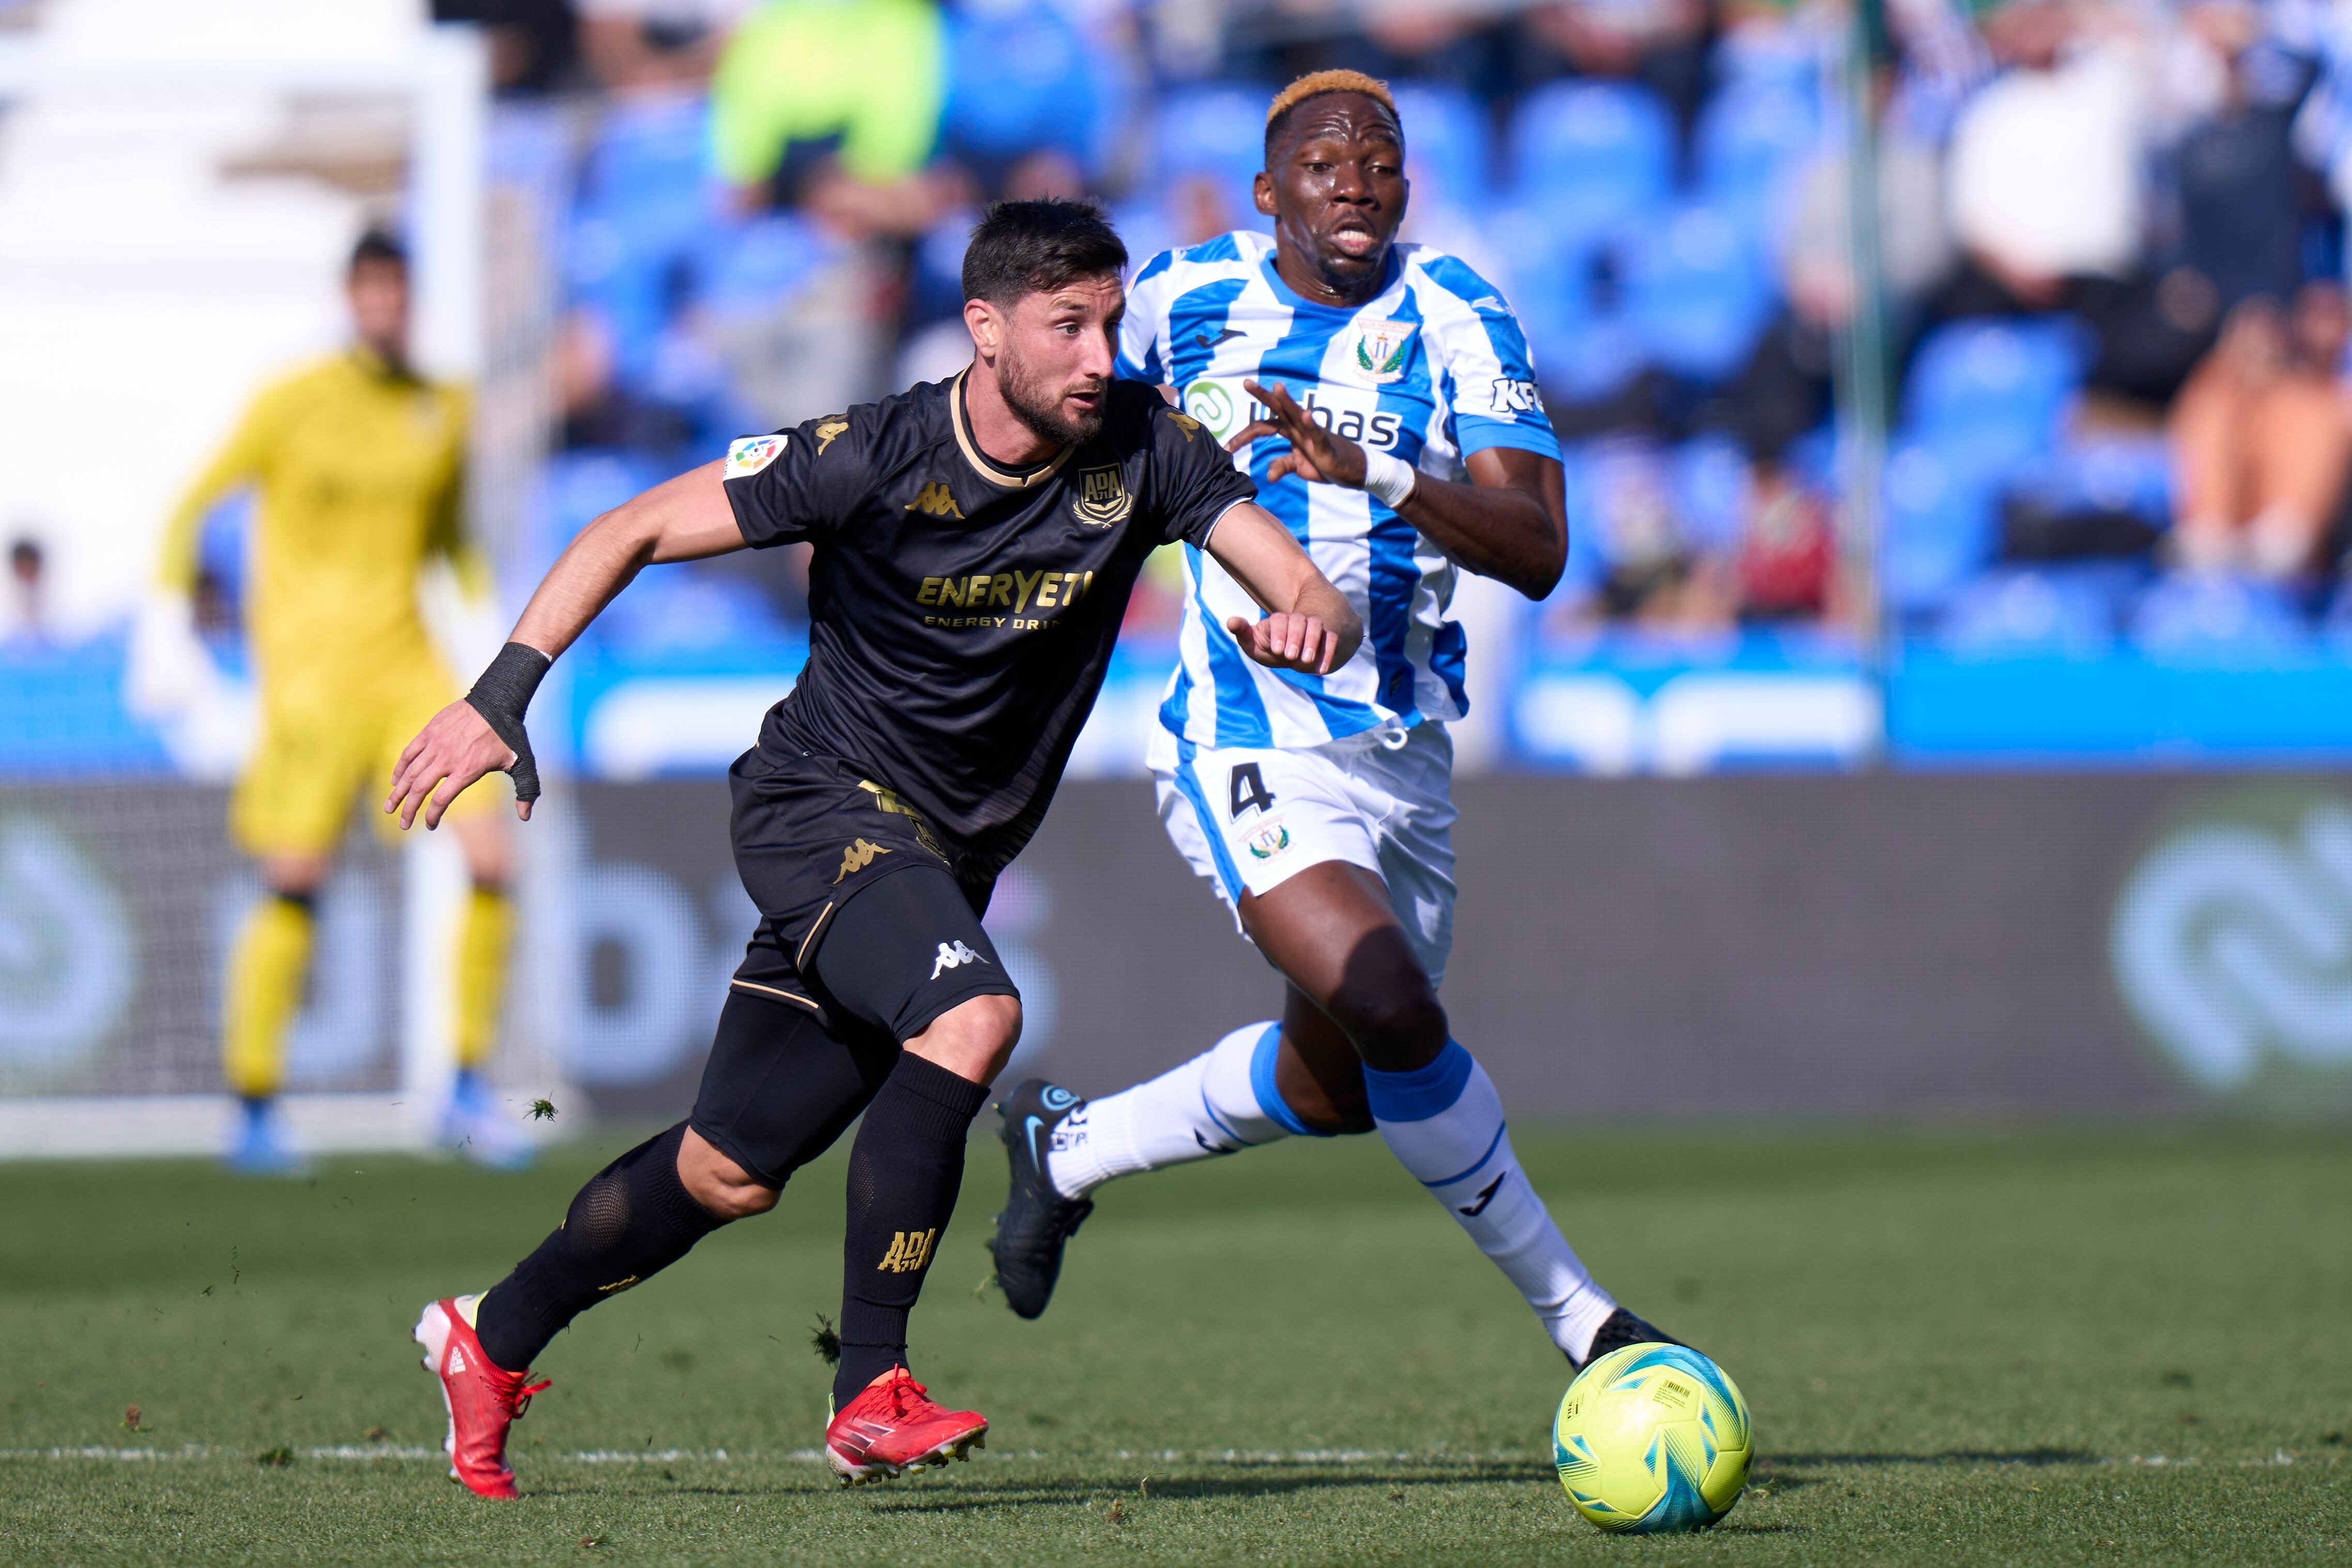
(974,1039)
(724,1188)
(730,1199)
(1398,1030)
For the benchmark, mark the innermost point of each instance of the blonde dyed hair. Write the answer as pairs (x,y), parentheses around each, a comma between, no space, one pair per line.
(1318,83)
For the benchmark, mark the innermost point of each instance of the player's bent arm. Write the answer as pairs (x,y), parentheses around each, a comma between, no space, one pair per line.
(1310,624)
(686,519)
(1510,522)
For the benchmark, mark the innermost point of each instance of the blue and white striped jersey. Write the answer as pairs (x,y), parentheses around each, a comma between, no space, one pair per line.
(1433,369)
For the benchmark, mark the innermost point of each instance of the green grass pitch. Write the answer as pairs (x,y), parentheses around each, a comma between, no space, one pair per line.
(2058,1346)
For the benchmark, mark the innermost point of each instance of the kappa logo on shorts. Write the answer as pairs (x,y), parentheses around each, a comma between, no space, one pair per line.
(954,955)
(857,856)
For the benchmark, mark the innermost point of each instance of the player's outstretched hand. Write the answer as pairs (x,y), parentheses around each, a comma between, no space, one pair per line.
(1287,641)
(1316,453)
(449,754)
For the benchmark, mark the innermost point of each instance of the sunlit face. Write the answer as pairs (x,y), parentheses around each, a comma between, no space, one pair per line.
(1337,188)
(1055,354)
(378,292)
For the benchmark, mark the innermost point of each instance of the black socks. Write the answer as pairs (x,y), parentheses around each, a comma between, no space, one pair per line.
(633,1219)
(904,1171)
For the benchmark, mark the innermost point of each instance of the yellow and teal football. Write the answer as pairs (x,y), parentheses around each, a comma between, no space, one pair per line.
(1650,1439)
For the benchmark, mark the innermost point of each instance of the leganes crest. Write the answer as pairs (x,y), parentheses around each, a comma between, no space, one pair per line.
(1382,348)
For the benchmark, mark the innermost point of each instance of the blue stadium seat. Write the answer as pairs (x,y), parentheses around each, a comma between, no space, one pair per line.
(1446,143)
(688,607)
(1020,78)
(2108,473)
(646,202)
(1697,295)
(2064,609)
(1710,477)
(1216,131)
(1751,138)
(1591,155)
(753,267)
(1941,530)
(1987,394)
(648,171)
(2208,614)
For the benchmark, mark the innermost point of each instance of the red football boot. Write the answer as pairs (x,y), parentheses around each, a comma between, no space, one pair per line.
(484,1399)
(890,1428)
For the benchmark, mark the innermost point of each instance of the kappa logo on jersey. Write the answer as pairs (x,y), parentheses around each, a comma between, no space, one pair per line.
(908,1252)
(751,453)
(936,501)
(827,432)
(1381,349)
(1185,425)
(954,955)
(1509,396)
(857,856)
(1102,499)
(1270,839)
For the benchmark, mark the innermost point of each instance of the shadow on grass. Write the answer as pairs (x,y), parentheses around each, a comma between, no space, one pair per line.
(1769,1463)
(1079,1493)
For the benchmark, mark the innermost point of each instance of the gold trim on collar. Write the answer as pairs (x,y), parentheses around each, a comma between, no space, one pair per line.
(971,453)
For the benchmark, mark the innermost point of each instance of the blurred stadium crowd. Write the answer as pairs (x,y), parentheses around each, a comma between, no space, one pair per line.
(2109,248)
(2111,424)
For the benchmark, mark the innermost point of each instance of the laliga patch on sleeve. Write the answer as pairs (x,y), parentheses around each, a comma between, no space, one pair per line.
(750,454)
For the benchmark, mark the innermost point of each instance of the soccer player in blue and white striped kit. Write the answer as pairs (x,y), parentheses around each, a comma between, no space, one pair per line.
(1356,375)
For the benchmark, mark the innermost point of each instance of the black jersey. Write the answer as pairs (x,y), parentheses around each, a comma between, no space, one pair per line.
(963,616)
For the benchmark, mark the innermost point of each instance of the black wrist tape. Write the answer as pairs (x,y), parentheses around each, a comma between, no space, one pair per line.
(501,696)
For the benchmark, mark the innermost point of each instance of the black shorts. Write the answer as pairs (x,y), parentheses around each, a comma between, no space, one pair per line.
(814,833)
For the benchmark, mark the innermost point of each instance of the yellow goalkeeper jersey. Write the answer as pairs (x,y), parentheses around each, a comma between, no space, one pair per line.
(361,471)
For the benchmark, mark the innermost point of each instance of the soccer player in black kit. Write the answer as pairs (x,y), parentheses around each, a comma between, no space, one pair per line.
(976,541)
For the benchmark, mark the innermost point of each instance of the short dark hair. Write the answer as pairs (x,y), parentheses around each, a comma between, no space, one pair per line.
(1030,248)
(378,247)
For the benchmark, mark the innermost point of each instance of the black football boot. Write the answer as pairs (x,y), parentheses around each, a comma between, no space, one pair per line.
(1038,1221)
(1621,1329)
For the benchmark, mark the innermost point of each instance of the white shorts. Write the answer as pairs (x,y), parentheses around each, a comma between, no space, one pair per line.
(1250,819)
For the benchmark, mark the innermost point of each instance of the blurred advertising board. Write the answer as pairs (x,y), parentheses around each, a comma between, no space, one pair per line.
(1961,945)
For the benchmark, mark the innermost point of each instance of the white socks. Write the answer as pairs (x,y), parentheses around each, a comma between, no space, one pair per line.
(1445,1124)
(1213,1104)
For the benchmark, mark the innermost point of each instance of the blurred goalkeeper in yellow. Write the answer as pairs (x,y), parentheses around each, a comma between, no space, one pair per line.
(360,466)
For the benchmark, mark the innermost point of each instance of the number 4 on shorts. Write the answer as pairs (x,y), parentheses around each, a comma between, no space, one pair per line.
(1248,791)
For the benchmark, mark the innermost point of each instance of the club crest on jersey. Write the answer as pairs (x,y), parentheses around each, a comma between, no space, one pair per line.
(749,454)
(1381,349)
(1102,499)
